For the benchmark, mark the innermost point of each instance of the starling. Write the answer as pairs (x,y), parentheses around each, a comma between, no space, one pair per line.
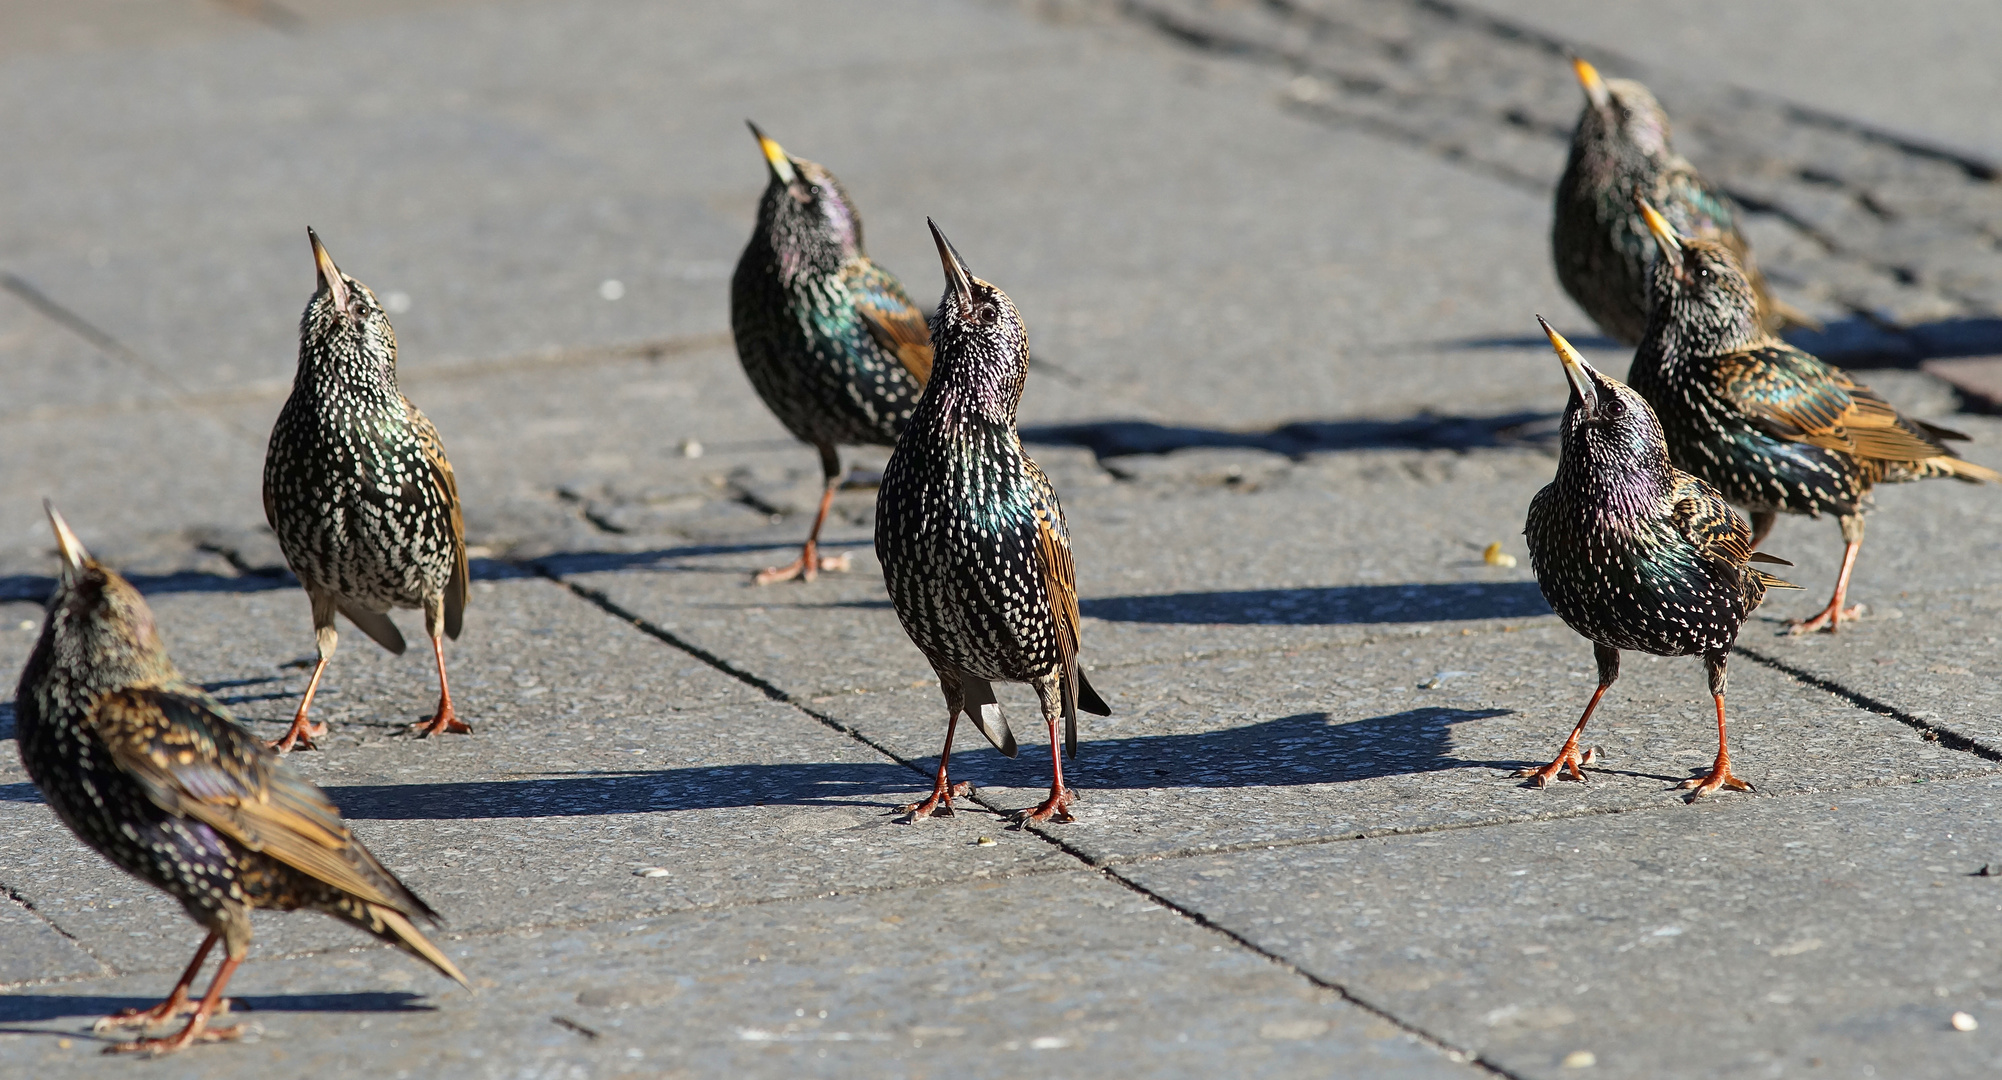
(1773,428)
(1634,553)
(357,488)
(1620,152)
(151,771)
(975,552)
(829,339)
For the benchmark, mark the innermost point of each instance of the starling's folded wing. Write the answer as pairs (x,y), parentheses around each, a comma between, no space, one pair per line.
(195,762)
(458,588)
(896,323)
(1706,520)
(1792,395)
(1053,548)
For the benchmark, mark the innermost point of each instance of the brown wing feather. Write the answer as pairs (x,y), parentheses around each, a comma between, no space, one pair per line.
(1801,398)
(1060,585)
(459,587)
(1704,516)
(194,761)
(904,334)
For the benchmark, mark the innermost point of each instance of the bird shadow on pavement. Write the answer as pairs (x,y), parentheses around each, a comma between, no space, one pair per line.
(34,1008)
(563,563)
(1426,431)
(1328,605)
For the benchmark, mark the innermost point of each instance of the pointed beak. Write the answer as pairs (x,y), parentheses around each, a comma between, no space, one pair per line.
(775,156)
(71,549)
(330,275)
(1596,90)
(1664,236)
(1575,369)
(955,270)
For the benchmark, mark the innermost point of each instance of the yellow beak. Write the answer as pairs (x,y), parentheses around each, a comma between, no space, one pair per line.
(775,156)
(1596,90)
(1576,370)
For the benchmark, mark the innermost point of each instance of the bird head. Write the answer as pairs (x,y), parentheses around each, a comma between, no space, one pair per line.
(343,325)
(1620,113)
(1699,294)
(979,338)
(99,630)
(1607,426)
(806,213)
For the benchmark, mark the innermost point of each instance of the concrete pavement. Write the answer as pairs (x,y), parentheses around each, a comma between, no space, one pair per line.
(1279,264)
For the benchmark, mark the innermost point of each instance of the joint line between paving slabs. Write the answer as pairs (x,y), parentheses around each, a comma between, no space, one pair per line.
(761,684)
(1452,1052)
(29,906)
(1946,737)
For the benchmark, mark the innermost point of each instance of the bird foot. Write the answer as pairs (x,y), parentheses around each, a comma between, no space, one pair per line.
(1568,766)
(1718,776)
(1055,809)
(940,803)
(158,1014)
(300,734)
(445,723)
(196,1031)
(1830,618)
(804,569)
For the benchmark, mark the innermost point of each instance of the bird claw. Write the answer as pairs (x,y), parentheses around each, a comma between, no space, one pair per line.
(445,723)
(804,570)
(1568,766)
(171,1043)
(301,735)
(1056,810)
(1828,620)
(1718,776)
(939,804)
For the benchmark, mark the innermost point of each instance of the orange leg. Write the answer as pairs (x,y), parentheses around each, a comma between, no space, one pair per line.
(198,1026)
(445,721)
(1568,765)
(942,792)
(1057,807)
(810,562)
(1720,771)
(1835,614)
(302,733)
(176,1003)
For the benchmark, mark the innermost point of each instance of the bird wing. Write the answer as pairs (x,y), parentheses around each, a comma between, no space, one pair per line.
(458,588)
(897,324)
(1704,517)
(1795,396)
(1053,549)
(193,761)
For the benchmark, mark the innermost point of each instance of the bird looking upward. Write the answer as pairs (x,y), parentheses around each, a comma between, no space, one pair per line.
(357,488)
(1634,553)
(1772,427)
(975,552)
(830,341)
(1619,152)
(153,773)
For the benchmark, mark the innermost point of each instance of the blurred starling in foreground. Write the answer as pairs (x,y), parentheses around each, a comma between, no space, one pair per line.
(1620,152)
(357,488)
(975,552)
(152,772)
(1634,553)
(829,339)
(1773,428)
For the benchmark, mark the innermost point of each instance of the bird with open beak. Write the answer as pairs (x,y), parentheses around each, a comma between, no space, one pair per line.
(830,341)
(1772,427)
(1633,553)
(1620,151)
(358,491)
(155,775)
(975,552)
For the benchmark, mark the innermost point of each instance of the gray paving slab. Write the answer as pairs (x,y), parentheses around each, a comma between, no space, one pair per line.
(1831,934)
(598,752)
(1398,736)
(32,950)
(1064,974)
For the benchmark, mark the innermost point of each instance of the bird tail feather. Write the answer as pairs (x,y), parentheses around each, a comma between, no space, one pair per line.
(1771,582)
(399,931)
(986,714)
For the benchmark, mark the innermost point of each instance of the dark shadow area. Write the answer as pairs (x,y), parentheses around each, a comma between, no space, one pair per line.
(1307,748)
(1113,438)
(1329,606)
(35,1008)
(37,587)
(594,562)
(1860,343)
